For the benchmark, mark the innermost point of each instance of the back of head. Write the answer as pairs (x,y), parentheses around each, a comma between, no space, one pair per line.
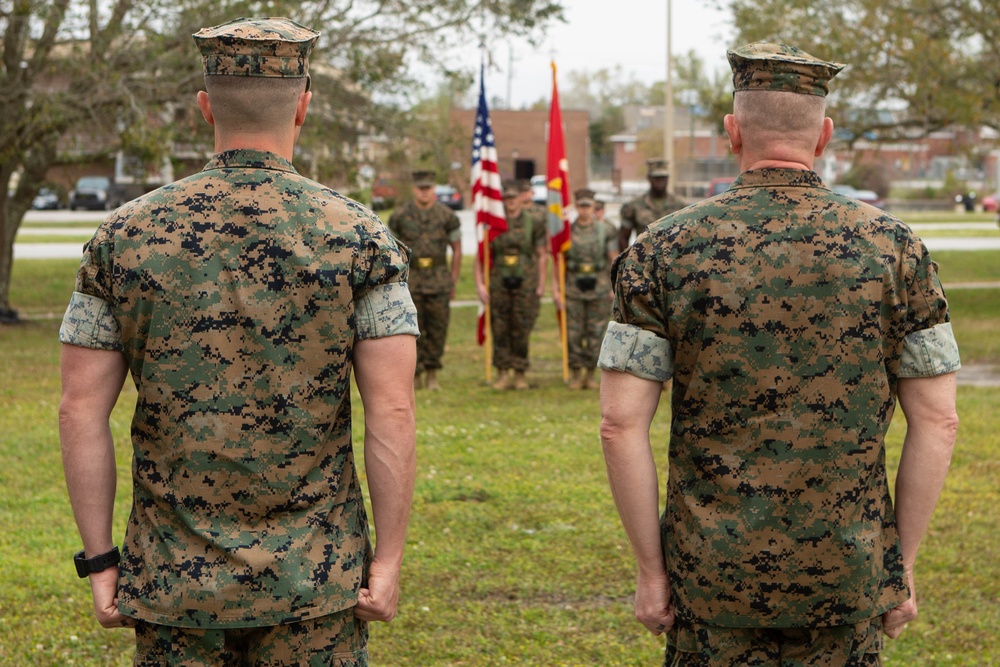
(255,71)
(768,116)
(251,105)
(779,94)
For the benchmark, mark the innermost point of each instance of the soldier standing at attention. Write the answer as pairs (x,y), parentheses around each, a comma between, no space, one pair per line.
(239,299)
(593,247)
(643,211)
(792,320)
(599,211)
(517,280)
(429,228)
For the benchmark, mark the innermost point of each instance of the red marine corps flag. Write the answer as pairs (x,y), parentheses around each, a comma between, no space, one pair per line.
(487,200)
(557,176)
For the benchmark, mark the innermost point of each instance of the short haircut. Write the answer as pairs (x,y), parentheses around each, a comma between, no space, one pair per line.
(251,104)
(763,113)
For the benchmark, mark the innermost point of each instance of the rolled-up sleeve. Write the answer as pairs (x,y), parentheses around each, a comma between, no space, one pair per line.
(930,352)
(89,322)
(386,310)
(632,350)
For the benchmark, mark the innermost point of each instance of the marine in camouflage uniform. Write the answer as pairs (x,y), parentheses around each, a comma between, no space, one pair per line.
(791,319)
(239,299)
(593,245)
(643,211)
(518,260)
(429,229)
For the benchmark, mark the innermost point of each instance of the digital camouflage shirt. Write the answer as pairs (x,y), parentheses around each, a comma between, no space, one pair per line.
(786,315)
(640,213)
(587,258)
(428,233)
(514,252)
(237,295)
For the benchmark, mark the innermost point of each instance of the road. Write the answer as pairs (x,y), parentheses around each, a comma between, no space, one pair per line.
(36,225)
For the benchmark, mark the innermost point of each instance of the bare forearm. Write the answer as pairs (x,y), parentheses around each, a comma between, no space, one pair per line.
(932,425)
(390,463)
(628,404)
(635,488)
(922,469)
(91,381)
(89,462)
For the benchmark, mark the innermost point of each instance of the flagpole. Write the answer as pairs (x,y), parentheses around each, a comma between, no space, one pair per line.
(488,324)
(488,206)
(563,324)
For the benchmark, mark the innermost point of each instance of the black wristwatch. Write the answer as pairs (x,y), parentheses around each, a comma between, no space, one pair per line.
(87,566)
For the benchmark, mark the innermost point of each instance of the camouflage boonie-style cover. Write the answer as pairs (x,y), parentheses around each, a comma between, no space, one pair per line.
(643,211)
(780,68)
(786,307)
(428,233)
(269,47)
(240,293)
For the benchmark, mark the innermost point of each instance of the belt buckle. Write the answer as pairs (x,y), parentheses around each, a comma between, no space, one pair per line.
(586,268)
(511,260)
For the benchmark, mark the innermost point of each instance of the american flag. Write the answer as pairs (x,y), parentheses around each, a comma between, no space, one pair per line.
(487,195)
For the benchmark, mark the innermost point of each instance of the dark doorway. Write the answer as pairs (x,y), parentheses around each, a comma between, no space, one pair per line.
(524,169)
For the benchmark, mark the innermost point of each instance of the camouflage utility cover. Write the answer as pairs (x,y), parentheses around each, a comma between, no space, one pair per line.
(237,296)
(780,68)
(270,47)
(428,233)
(786,314)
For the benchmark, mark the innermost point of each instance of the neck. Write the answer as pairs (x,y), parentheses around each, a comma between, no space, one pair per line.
(778,164)
(266,143)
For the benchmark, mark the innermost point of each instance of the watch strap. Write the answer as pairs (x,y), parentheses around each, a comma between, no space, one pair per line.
(87,566)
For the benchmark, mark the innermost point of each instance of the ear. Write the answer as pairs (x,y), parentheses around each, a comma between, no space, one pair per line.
(733,130)
(302,107)
(206,107)
(825,135)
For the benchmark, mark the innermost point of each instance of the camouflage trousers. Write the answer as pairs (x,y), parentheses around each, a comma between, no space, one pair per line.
(512,317)
(586,321)
(334,640)
(839,646)
(433,313)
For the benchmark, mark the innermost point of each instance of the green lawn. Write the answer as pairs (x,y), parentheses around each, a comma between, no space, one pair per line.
(515,553)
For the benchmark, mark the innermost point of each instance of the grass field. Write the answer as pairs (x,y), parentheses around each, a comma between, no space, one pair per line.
(515,554)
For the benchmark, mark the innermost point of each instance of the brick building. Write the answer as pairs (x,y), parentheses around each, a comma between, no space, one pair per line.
(522,143)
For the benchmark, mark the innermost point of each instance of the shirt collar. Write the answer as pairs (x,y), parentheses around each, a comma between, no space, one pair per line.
(247,158)
(774,176)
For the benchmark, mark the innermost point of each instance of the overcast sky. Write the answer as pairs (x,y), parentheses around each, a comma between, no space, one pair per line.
(601,35)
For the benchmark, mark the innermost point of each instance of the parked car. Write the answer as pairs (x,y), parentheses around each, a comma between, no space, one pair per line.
(867,196)
(990,202)
(539,189)
(46,199)
(449,196)
(383,193)
(95,193)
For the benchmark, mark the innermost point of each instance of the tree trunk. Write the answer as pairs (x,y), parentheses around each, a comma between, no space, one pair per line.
(7,314)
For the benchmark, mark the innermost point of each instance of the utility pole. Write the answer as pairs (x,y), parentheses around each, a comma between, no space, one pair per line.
(668,109)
